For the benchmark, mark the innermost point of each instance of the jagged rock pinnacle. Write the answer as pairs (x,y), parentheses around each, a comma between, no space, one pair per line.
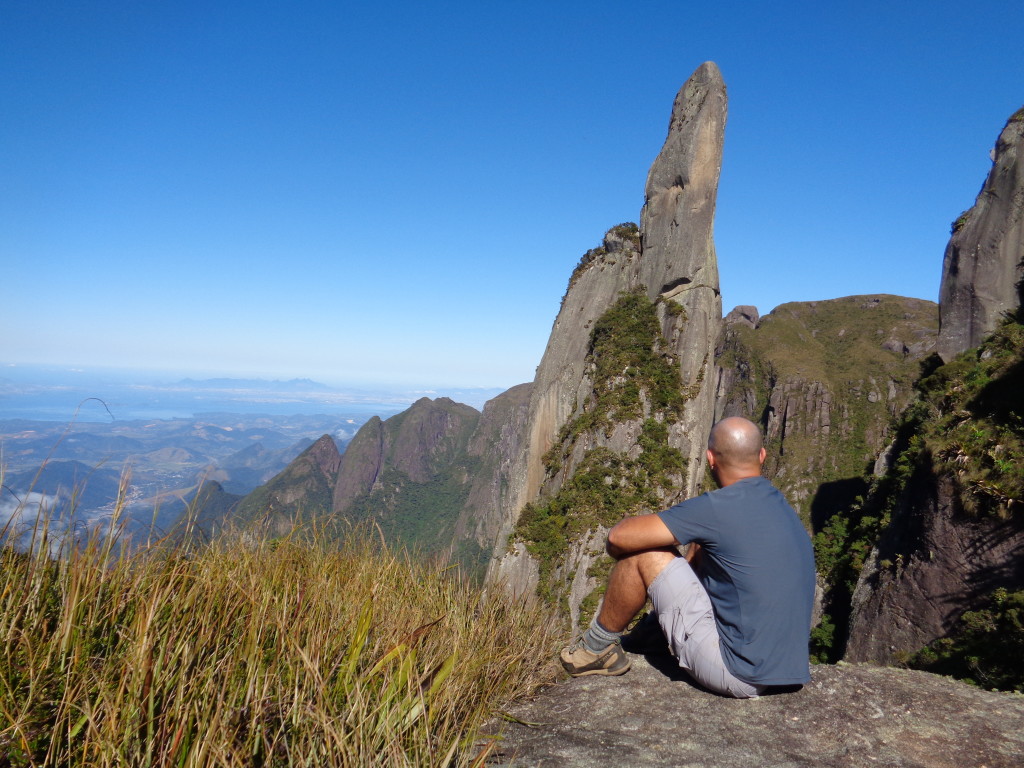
(670,259)
(682,188)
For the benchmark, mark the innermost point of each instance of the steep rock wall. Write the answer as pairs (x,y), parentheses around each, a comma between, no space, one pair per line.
(300,492)
(496,449)
(951,509)
(411,475)
(952,522)
(984,262)
(360,465)
(933,563)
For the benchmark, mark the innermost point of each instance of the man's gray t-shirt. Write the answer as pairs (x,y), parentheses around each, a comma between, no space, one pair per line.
(758,570)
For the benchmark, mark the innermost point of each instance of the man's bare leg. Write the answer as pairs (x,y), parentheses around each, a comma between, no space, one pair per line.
(627,586)
(599,651)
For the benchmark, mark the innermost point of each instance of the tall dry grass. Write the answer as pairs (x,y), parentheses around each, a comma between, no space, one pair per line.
(254,653)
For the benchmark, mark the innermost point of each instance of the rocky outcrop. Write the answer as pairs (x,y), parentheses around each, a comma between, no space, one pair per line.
(951,548)
(435,477)
(743,314)
(410,474)
(952,535)
(360,466)
(301,491)
(825,379)
(983,268)
(496,449)
(654,289)
(848,715)
(930,566)
(413,446)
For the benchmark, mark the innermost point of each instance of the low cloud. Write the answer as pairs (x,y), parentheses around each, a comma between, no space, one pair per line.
(25,518)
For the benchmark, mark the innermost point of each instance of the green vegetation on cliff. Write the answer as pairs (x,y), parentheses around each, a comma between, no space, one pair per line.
(825,378)
(418,472)
(967,425)
(631,373)
(985,648)
(971,417)
(605,487)
(419,516)
(634,380)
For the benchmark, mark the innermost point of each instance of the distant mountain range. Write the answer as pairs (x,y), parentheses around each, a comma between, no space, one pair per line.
(45,394)
(74,470)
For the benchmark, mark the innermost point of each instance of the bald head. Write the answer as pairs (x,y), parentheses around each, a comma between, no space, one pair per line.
(735,446)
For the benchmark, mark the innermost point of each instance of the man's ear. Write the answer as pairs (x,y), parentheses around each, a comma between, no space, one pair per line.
(761,455)
(711,459)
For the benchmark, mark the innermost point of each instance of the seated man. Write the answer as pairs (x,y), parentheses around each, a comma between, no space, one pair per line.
(739,624)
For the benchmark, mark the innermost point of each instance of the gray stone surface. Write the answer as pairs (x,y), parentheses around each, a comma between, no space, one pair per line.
(745,314)
(984,261)
(678,261)
(497,445)
(932,563)
(849,715)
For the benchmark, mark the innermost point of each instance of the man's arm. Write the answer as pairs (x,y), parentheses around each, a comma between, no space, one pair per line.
(635,534)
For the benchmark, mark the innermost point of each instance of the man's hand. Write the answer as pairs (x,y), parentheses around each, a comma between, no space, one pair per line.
(635,534)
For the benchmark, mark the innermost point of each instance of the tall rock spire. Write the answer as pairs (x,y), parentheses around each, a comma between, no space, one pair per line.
(678,261)
(983,268)
(652,292)
(682,188)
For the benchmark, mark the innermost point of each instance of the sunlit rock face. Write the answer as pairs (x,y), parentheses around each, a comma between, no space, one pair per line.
(983,268)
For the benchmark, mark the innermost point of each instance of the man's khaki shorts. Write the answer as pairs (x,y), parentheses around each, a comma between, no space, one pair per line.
(688,621)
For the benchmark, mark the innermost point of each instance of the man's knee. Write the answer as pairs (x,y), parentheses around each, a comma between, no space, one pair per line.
(652,562)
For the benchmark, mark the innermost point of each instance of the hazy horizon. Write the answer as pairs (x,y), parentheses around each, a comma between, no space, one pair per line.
(50,392)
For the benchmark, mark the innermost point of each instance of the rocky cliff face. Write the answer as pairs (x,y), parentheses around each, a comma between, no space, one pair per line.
(983,268)
(412,444)
(622,401)
(435,477)
(496,448)
(825,379)
(410,474)
(302,491)
(943,584)
(931,566)
(948,567)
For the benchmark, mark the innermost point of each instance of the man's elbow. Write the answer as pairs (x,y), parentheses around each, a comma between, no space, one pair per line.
(613,544)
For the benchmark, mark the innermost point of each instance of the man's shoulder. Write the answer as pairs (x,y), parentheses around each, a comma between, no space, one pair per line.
(697,501)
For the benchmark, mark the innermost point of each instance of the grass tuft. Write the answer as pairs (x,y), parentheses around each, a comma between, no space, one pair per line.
(254,653)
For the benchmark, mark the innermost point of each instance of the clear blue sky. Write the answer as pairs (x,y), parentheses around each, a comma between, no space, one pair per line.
(398,191)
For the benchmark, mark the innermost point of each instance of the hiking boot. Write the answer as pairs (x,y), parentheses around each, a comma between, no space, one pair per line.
(578,660)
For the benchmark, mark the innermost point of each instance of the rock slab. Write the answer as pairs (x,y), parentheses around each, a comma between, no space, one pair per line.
(849,715)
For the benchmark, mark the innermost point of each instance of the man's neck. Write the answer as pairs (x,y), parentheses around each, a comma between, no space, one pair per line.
(725,479)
